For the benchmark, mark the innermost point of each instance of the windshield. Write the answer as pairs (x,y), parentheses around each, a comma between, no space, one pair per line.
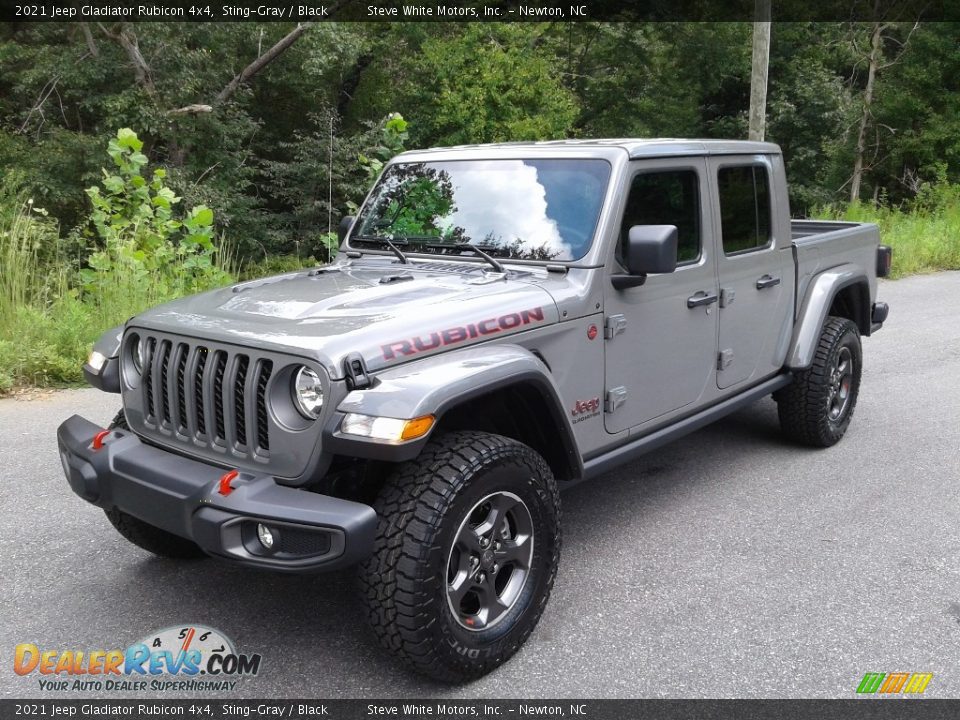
(524,209)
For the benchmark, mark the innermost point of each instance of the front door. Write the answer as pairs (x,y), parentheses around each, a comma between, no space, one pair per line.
(662,336)
(755,267)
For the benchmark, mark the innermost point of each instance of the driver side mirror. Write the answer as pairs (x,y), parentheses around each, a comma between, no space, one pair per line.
(650,249)
(344,227)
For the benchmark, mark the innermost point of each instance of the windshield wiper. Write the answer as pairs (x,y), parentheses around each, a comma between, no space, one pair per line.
(390,244)
(467,246)
(497,265)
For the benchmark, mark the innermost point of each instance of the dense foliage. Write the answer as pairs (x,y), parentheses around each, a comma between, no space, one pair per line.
(276,156)
(280,130)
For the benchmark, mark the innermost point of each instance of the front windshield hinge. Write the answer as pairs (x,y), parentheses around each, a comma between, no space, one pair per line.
(488,278)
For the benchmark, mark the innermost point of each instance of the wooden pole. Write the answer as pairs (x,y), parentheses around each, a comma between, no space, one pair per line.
(758,71)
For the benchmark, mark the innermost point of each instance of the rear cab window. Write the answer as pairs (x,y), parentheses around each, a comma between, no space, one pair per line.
(745,213)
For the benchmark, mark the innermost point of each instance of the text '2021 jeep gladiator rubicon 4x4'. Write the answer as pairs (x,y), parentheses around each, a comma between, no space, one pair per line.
(501,321)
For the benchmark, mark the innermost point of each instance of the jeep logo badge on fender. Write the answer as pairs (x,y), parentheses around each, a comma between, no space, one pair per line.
(585,409)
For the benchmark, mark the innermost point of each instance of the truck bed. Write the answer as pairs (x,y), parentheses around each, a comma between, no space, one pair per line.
(819,245)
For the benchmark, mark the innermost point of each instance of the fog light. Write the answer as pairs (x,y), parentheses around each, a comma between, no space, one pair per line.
(265,535)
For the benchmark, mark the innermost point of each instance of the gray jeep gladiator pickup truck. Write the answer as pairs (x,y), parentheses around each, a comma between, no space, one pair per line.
(501,321)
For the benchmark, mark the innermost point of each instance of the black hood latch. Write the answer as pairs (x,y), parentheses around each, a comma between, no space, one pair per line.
(358,378)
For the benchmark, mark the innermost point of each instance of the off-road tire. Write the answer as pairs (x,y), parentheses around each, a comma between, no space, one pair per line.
(147,536)
(119,421)
(421,510)
(804,406)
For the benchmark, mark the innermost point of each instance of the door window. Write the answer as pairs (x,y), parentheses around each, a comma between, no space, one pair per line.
(744,208)
(666,198)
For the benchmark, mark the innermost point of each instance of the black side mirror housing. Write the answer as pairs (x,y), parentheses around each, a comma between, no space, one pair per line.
(650,249)
(344,227)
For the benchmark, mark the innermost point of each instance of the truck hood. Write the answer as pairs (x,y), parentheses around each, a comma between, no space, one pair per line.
(385,311)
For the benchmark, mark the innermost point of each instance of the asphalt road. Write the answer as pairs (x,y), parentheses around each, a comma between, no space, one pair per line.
(729,564)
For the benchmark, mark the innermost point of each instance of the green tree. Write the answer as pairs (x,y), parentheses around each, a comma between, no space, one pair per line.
(478,83)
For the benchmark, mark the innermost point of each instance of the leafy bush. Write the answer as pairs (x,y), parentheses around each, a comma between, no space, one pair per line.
(392,141)
(142,243)
(143,253)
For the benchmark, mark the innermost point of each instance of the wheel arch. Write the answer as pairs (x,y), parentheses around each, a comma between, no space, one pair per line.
(503,389)
(852,301)
(843,291)
(526,411)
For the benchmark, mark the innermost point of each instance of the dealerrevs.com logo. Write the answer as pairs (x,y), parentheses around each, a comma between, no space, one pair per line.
(186,657)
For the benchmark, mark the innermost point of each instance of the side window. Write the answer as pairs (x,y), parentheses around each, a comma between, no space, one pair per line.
(666,198)
(744,208)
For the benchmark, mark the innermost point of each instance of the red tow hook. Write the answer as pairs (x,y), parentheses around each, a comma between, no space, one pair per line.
(99,438)
(225,480)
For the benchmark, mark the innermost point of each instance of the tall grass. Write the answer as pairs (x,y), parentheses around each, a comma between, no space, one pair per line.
(48,322)
(31,342)
(925,238)
(19,242)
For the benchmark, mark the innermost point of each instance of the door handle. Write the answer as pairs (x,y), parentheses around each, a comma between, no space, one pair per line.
(700,299)
(767,281)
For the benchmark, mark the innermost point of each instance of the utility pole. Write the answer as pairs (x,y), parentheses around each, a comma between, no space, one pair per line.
(758,71)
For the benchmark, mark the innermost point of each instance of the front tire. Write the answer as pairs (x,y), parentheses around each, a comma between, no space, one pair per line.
(466,554)
(147,536)
(153,539)
(817,407)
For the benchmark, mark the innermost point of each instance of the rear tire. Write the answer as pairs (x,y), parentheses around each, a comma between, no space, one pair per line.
(466,554)
(147,536)
(817,407)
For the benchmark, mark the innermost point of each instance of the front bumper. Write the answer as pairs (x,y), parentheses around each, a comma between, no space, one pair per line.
(311,532)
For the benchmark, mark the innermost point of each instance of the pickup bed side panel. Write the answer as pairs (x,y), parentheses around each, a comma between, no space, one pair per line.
(830,257)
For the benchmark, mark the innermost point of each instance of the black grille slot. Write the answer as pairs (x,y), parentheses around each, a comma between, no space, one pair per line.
(263,435)
(147,378)
(239,396)
(182,351)
(162,360)
(219,368)
(202,354)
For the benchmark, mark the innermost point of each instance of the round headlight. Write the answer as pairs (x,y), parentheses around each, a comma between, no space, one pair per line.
(308,393)
(136,354)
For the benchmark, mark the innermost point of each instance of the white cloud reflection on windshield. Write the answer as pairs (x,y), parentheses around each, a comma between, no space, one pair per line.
(514,207)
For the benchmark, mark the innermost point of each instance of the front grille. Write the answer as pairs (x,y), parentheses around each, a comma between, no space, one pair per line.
(265,369)
(212,397)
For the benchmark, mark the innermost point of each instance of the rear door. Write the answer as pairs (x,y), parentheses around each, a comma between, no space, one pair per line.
(662,336)
(755,269)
